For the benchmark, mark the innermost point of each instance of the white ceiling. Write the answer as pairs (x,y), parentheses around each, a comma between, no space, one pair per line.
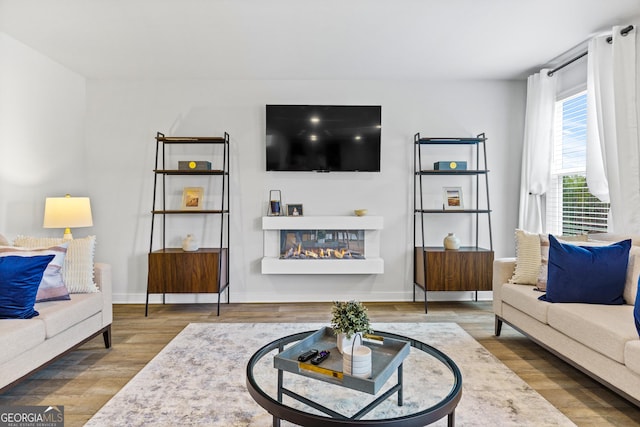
(309,39)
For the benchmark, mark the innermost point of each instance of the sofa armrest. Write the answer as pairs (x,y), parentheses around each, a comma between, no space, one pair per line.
(502,271)
(102,275)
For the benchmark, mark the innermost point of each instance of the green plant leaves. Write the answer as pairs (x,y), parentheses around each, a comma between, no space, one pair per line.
(349,317)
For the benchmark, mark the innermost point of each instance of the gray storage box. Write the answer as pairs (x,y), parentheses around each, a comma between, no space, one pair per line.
(450,165)
(198,165)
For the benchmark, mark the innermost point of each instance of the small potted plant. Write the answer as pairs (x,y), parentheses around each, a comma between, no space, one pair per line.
(349,318)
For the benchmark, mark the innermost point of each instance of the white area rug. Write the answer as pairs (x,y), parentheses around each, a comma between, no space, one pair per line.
(199,379)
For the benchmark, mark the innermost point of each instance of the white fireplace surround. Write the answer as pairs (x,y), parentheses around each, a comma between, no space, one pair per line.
(372,226)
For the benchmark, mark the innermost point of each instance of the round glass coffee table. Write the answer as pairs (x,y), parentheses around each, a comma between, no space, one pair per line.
(426,382)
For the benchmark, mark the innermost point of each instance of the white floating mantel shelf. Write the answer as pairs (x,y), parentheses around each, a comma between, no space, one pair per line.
(372,226)
(322,222)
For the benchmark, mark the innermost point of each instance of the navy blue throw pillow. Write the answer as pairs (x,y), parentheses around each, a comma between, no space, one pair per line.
(636,309)
(587,274)
(19,281)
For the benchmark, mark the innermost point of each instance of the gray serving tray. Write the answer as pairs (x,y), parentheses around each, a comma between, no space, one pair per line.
(386,355)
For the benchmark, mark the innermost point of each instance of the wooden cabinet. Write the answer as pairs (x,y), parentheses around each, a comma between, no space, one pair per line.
(173,270)
(465,269)
(470,268)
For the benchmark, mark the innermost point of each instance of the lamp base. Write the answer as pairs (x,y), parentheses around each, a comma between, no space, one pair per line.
(67,234)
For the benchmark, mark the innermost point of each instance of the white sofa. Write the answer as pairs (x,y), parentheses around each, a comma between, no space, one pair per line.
(600,340)
(28,345)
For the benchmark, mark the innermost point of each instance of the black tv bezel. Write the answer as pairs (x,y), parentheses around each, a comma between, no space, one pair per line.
(324,106)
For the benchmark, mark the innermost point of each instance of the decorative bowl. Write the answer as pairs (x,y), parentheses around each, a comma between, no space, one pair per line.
(360,212)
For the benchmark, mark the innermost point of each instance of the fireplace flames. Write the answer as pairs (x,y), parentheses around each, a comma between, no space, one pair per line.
(322,244)
(320,253)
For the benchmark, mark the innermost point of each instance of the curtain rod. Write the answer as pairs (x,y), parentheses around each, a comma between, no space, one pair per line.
(623,32)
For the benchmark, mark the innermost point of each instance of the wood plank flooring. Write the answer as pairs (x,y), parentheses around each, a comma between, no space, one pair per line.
(86,379)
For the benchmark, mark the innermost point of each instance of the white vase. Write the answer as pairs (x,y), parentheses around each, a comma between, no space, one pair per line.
(189,244)
(451,242)
(343,342)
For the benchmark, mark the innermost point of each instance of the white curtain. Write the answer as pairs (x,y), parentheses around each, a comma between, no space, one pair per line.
(600,129)
(613,139)
(536,152)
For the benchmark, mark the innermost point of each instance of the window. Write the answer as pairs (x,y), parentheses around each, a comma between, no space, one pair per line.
(571,209)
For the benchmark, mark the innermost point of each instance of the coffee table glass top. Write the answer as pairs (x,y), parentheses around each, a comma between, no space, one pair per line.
(431,388)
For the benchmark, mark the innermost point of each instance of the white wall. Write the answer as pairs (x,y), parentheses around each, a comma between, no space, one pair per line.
(60,134)
(124,116)
(42,110)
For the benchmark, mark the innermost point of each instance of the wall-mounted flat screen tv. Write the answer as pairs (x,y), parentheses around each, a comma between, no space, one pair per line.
(323,138)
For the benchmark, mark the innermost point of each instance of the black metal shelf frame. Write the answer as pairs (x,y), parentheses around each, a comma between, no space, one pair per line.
(456,211)
(418,202)
(452,172)
(224,211)
(189,172)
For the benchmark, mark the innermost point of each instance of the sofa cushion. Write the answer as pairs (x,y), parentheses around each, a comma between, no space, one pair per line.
(78,264)
(59,316)
(633,275)
(52,286)
(541,282)
(19,280)
(614,237)
(527,258)
(525,299)
(18,336)
(584,274)
(603,328)
(532,251)
(3,241)
(632,356)
(633,267)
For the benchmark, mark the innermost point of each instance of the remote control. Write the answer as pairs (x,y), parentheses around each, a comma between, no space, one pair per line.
(320,357)
(308,355)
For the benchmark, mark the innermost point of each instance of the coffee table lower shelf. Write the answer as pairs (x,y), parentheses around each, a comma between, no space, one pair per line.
(397,388)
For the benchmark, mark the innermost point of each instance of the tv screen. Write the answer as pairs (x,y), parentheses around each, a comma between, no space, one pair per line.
(323,138)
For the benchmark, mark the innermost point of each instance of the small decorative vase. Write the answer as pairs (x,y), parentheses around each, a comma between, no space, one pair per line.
(344,342)
(451,242)
(189,244)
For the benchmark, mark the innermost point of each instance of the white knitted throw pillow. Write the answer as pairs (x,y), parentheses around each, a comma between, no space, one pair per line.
(77,272)
(527,258)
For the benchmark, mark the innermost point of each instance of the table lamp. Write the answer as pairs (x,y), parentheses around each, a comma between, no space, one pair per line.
(67,212)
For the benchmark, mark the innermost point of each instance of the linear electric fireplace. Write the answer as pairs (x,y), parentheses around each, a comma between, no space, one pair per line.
(322,245)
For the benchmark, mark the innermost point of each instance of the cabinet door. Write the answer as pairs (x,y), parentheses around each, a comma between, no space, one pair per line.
(177,271)
(454,270)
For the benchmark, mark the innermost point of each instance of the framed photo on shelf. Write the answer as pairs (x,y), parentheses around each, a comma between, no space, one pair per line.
(452,198)
(192,198)
(294,210)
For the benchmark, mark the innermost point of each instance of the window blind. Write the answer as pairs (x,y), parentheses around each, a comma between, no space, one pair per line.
(571,209)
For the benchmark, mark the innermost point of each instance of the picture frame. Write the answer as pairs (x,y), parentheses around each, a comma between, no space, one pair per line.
(452,198)
(192,198)
(294,210)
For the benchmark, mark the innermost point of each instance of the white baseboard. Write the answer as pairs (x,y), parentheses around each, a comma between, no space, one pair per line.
(270,298)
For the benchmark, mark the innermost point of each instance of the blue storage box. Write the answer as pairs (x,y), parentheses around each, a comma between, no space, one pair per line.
(450,165)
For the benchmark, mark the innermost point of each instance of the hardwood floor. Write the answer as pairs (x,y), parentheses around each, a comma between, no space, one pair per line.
(86,379)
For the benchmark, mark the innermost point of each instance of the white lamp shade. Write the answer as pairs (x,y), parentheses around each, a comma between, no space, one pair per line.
(67,212)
